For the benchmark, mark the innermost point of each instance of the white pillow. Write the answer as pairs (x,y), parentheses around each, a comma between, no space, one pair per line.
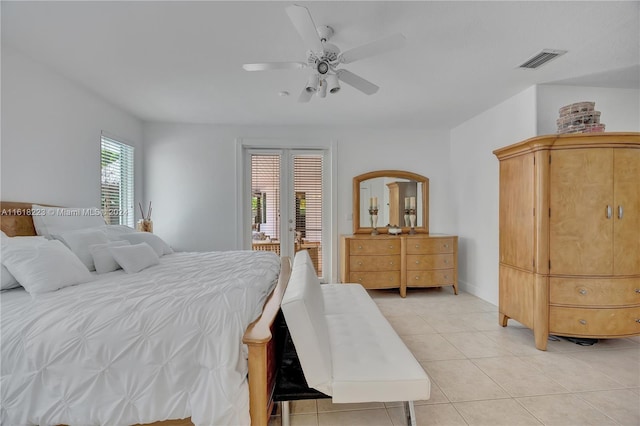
(80,240)
(7,280)
(135,258)
(113,232)
(56,220)
(44,267)
(157,243)
(102,257)
(32,240)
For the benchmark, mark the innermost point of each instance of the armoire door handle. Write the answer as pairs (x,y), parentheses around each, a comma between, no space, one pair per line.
(620,212)
(608,212)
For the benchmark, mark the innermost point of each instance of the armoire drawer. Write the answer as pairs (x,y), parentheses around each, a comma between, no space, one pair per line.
(374,247)
(389,279)
(429,245)
(435,278)
(374,263)
(594,291)
(420,262)
(594,322)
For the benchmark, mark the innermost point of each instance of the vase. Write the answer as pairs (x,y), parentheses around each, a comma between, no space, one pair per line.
(374,224)
(412,220)
(144,225)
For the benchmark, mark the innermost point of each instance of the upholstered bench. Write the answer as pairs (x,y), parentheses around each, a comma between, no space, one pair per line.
(346,347)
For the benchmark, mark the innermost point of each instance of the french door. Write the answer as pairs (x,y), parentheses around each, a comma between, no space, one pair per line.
(285,194)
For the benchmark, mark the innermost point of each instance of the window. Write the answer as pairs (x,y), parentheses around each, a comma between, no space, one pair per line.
(303,199)
(116,182)
(307,183)
(265,200)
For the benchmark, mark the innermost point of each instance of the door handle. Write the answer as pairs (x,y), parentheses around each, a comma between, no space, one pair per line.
(608,212)
(620,212)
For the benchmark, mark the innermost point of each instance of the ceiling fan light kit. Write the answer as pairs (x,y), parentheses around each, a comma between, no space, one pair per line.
(312,83)
(325,58)
(322,89)
(332,83)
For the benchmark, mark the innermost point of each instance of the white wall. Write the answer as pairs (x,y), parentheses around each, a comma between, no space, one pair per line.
(475,174)
(190,174)
(51,128)
(620,108)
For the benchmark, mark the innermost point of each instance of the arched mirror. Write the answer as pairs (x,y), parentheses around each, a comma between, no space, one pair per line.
(393,192)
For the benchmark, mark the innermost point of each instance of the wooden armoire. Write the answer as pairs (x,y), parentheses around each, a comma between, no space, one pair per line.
(570,235)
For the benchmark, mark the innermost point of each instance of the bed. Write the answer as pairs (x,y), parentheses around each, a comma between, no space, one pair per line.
(144,347)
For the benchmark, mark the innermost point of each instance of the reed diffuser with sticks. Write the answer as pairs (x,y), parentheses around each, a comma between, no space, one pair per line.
(145,224)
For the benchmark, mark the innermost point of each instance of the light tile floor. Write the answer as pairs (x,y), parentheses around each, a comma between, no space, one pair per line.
(484,374)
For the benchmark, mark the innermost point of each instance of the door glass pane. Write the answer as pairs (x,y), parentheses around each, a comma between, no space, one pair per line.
(307,184)
(265,202)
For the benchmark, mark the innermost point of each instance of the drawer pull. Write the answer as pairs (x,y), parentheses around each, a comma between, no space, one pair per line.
(583,322)
(359,280)
(445,245)
(583,291)
(359,263)
(417,245)
(417,262)
(359,247)
(390,263)
(638,320)
(417,278)
(638,290)
(391,247)
(446,261)
(446,277)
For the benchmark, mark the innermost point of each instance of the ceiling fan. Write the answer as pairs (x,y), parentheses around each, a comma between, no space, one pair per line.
(324,57)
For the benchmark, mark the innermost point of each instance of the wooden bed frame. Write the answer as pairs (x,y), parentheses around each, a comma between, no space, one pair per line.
(16,220)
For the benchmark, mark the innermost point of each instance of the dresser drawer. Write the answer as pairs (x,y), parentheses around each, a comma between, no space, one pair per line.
(430,278)
(374,247)
(429,245)
(421,262)
(594,322)
(374,263)
(594,291)
(376,279)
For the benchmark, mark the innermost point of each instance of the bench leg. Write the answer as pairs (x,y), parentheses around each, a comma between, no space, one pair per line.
(409,412)
(284,407)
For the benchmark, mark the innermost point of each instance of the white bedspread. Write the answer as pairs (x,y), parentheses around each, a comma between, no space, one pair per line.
(165,343)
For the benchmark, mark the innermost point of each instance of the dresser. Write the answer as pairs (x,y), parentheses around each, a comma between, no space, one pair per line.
(388,261)
(569,260)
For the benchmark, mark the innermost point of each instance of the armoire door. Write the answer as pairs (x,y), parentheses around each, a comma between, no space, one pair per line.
(626,237)
(581,211)
(517,220)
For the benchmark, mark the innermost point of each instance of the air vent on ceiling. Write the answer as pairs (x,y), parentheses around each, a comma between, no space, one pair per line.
(542,58)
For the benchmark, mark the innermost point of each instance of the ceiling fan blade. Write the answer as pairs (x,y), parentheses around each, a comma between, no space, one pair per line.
(377,47)
(357,82)
(303,22)
(305,96)
(265,66)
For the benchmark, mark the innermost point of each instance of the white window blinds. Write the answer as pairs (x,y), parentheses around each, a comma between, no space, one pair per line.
(307,182)
(116,183)
(265,188)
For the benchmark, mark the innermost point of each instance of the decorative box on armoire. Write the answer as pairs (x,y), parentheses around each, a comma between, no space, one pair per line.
(570,235)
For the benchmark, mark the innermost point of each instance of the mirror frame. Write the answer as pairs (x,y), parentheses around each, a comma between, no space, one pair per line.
(358,229)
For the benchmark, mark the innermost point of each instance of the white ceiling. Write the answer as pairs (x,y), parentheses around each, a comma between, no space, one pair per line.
(181,61)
